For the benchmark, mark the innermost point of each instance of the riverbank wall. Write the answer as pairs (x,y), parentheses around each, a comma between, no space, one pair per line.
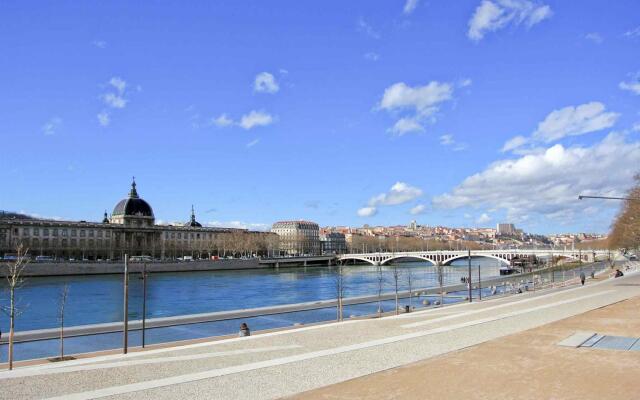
(105,268)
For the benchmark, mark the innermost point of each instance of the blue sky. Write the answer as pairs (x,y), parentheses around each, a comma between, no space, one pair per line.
(345,113)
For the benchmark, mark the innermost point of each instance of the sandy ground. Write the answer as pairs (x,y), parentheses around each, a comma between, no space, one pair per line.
(527,365)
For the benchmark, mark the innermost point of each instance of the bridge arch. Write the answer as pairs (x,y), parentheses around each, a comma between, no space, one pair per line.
(385,262)
(346,258)
(449,260)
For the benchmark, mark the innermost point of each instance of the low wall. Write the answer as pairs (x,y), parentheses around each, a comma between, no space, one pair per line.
(100,268)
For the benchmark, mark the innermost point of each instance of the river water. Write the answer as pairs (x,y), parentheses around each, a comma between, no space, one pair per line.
(98,299)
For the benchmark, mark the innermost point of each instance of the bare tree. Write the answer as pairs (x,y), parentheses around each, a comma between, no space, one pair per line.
(15,281)
(380,278)
(62,302)
(340,287)
(396,277)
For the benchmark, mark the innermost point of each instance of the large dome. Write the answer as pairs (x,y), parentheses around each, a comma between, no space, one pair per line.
(132,206)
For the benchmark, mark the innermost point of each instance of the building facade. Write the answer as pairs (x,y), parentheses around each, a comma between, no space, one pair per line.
(505,229)
(298,237)
(333,243)
(131,230)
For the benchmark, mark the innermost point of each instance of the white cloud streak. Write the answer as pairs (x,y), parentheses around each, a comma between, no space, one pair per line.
(409,6)
(595,37)
(255,119)
(222,121)
(493,15)
(573,121)
(567,121)
(633,85)
(51,126)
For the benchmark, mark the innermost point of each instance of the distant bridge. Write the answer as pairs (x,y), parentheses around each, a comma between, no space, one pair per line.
(445,257)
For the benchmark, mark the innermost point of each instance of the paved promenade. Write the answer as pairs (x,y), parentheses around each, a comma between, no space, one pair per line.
(286,363)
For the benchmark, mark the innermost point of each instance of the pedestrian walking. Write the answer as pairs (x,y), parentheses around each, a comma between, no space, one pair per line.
(582,277)
(244,330)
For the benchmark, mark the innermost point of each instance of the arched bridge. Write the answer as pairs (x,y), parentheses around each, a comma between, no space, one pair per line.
(445,257)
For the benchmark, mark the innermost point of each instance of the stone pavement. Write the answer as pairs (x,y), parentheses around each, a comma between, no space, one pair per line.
(284,363)
(526,365)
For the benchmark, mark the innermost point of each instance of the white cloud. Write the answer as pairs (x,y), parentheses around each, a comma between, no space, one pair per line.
(494,15)
(367,29)
(253,143)
(50,127)
(424,99)
(371,56)
(633,85)
(595,37)
(573,121)
(399,193)
(567,121)
(103,118)
(256,118)
(636,127)
(114,101)
(222,121)
(420,101)
(265,83)
(483,219)
(409,6)
(240,225)
(406,125)
(446,140)
(464,82)
(118,83)
(514,143)
(101,44)
(632,33)
(367,211)
(419,209)
(548,183)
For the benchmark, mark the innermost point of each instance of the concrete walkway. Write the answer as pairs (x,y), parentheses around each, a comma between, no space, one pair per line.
(278,364)
(529,365)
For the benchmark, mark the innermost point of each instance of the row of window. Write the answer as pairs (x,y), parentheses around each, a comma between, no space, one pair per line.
(179,235)
(36,243)
(26,232)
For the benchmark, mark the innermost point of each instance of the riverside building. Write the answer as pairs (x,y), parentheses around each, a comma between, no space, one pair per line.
(333,243)
(131,229)
(298,237)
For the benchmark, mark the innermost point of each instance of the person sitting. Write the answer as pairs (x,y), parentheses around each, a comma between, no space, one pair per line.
(244,330)
(618,274)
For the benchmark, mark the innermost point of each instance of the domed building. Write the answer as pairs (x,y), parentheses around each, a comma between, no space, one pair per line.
(133,211)
(131,229)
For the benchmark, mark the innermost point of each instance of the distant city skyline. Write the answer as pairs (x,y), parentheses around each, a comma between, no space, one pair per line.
(465,114)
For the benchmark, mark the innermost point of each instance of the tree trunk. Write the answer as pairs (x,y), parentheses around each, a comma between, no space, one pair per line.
(12,315)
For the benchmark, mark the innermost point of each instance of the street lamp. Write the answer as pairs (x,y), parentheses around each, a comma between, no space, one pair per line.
(609,198)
